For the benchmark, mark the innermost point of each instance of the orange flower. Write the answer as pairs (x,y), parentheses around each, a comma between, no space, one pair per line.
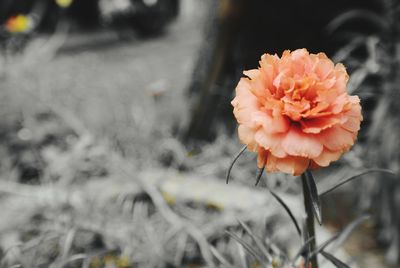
(19,24)
(295,112)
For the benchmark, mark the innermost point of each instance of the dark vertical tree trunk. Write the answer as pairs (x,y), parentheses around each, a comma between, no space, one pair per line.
(207,89)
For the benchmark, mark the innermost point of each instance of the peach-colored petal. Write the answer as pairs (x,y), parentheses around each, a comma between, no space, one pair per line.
(246,136)
(328,96)
(316,125)
(274,105)
(326,157)
(340,103)
(295,110)
(341,77)
(271,142)
(258,83)
(252,74)
(245,103)
(271,124)
(268,65)
(324,67)
(297,143)
(352,124)
(336,138)
(317,110)
(292,165)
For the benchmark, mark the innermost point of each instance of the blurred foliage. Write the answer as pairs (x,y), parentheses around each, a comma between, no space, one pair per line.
(374,57)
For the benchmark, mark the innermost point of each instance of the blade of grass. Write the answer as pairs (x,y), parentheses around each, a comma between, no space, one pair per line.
(288,211)
(362,14)
(246,246)
(259,175)
(220,258)
(228,174)
(256,240)
(341,236)
(313,190)
(303,250)
(348,230)
(325,244)
(387,171)
(335,261)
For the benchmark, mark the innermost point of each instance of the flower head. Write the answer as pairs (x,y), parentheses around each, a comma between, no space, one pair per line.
(19,24)
(294,111)
(64,3)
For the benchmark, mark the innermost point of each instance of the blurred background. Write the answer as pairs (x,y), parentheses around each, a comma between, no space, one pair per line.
(116,132)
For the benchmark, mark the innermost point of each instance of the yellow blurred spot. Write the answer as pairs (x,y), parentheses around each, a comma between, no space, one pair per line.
(123,262)
(111,261)
(169,198)
(214,206)
(255,265)
(64,3)
(19,24)
(95,263)
(275,263)
(191,153)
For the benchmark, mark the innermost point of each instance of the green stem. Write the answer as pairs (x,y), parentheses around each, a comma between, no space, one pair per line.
(309,219)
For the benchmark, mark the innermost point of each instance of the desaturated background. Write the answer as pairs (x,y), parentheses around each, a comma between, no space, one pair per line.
(116,133)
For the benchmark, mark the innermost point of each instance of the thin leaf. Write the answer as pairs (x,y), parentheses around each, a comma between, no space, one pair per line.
(335,261)
(228,174)
(220,258)
(303,251)
(241,256)
(363,14)
(73,258)
(345,51)
(341,236)
(325,244)
(355,177)
(256,240)
(316,203)
(246,246)
(348,230)
(69,239)
(308,241)
(289,212)
(305,235)
(259,175)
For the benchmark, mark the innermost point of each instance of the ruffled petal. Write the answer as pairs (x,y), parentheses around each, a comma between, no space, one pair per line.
(352,124)
(246,136)
(291,164)
(271,142)
(271,124)
(316,125)
(336,138)
(297,143)
(245,103)
(326,157)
